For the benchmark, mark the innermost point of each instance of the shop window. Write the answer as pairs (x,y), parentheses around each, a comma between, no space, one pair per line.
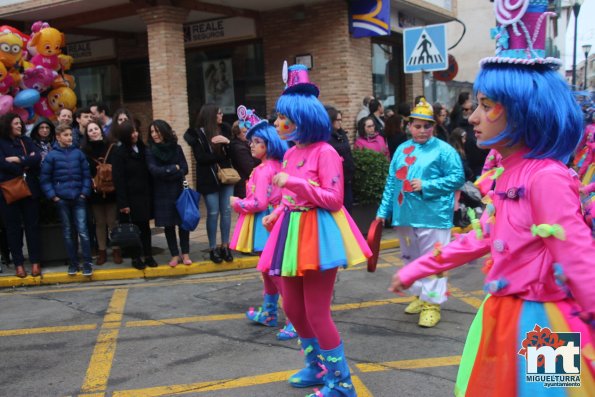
(97,84)
(228,76)
(136,80)
(387,69)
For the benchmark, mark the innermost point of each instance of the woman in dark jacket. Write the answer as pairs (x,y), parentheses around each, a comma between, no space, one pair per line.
(241,157)
(103,204)
(43,135)
(340,142)
(18,156)
(210,145)
(133,187)
(167,165)
(394,130)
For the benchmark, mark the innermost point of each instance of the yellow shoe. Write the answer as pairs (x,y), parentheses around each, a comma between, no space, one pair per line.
(430,315)
(414,307)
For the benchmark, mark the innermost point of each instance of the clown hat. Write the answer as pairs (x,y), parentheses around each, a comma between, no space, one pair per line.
(249,118)
(520,34)
(422,111)
(296,80)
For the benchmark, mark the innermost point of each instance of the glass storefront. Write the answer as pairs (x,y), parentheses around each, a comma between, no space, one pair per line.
(228,76)
(98,83)
(387,69)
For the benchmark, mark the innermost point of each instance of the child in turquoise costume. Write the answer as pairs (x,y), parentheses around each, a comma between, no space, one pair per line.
(261,196)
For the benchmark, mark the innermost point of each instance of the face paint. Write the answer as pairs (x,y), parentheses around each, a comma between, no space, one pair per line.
(496,110)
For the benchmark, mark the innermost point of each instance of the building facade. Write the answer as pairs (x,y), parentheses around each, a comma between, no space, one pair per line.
(164,59)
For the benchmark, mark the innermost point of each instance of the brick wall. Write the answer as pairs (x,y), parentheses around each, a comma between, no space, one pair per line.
(342,65)
(167,61)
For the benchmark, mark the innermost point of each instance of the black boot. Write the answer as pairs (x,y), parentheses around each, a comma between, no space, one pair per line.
(225,253)
(150,261)
(137,263)
(215,256)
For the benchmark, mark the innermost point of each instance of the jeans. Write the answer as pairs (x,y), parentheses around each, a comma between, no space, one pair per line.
(75,212)
(23,212)
(172,244)
(218,204)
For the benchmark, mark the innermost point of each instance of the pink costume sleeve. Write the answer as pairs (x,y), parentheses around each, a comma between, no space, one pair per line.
(555,201)
(329,193)
(256,193)
(590,188)
(458,252)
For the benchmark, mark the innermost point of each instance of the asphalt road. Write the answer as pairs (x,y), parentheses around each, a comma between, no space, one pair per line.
(188,336)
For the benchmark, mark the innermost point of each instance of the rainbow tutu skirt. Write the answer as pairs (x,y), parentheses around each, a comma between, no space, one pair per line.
(249,234)
(312,240)
(494,361)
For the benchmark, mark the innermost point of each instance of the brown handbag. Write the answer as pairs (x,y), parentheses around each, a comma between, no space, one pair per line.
(228,176)
(16,189)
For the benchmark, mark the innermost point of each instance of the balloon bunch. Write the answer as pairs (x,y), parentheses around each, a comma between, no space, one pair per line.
(33,79)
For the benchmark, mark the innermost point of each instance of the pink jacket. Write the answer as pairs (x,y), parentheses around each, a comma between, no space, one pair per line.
(529,192)
(316,178)
(377,144)
(260,192)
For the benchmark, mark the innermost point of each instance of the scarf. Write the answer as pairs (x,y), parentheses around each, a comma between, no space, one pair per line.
(164,152)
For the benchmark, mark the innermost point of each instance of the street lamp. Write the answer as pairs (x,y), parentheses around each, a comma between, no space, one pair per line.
(576,7)
(586,50)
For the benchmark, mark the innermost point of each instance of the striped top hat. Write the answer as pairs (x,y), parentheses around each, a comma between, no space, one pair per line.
(520,34)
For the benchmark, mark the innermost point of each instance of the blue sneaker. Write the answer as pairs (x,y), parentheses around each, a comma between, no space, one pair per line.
(87,269)
(73,269)
(287,332)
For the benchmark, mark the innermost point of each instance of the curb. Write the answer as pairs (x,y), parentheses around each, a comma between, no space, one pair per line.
(154,272)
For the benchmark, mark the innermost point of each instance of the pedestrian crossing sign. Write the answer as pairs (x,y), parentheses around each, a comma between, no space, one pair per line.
(424,49)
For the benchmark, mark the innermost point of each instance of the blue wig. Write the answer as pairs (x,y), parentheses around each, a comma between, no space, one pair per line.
(309,116)
(276,147)
(541,112)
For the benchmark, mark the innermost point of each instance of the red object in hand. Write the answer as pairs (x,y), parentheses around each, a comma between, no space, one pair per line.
(374,235)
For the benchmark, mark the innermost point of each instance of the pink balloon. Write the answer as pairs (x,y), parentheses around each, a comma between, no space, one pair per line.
(5,104)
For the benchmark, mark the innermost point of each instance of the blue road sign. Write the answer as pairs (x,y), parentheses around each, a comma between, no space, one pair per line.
(424,49)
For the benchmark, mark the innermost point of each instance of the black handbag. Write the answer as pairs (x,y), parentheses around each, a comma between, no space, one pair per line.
(127,237)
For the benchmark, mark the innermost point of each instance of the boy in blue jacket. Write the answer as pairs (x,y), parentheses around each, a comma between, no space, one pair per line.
(66,180)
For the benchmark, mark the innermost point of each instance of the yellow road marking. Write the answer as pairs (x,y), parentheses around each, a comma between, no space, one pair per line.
(100,364)
(465,297)
(200,387)
(362,305)
(179,281)
(274,377)
(47,330)
(410,364)
(92,395)
(184,320)
(362,390)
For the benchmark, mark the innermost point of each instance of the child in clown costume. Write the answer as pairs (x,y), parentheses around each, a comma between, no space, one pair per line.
(420,187)
(313,235)
(261,196)
(540,276)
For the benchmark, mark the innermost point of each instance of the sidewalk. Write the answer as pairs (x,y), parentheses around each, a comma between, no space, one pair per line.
(199,253)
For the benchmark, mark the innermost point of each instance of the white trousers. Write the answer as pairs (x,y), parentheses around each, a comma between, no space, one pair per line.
(415,242)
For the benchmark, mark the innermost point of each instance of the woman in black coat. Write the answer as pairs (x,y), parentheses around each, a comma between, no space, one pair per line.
(210,145)
(133,188)
(241,157)
(167,165)
(18,156)
(103,204)
(340,142)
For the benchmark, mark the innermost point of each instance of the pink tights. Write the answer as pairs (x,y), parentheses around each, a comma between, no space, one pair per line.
(307,304)
(272,285)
